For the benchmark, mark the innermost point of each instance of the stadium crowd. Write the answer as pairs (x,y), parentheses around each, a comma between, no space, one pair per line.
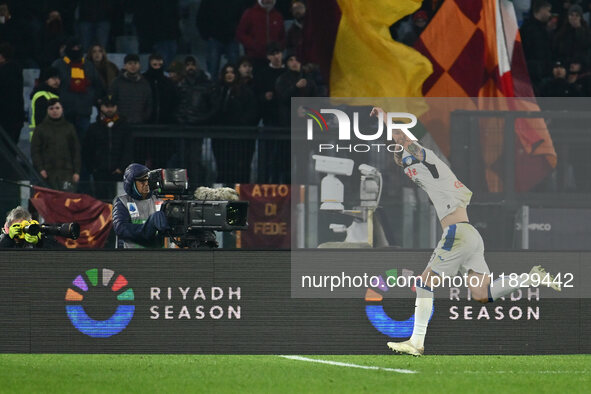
(69,41)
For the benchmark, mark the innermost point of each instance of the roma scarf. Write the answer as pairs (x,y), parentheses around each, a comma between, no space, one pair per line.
(78,81)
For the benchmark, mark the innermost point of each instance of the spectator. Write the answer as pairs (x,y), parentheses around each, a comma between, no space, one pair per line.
(12,106)
(15,32)
(217,22)
(13,235)
(259,26)
(157,24)
(562,7)
(537,43)
(245,75)
(164,93)
(194,109)
(557,86)
(79,88)
(164,104)
(295,34)
(51,40)
(55,149)
(573,39)
(107,71)
(233,105)
(176,72)
(132,92)
(94,22)
(193,106)
(265,82)
(292,83)
(137,219)
(419,22)
(105,148)
(47,89)
(578,78)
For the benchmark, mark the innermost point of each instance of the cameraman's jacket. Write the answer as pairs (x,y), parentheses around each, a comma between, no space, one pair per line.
(133,217)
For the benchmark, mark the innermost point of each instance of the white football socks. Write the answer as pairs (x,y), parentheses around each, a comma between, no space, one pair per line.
(501,286)
(423,308)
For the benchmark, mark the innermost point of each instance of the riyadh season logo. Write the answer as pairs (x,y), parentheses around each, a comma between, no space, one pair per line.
(374,308)
(100,303)
(391,123)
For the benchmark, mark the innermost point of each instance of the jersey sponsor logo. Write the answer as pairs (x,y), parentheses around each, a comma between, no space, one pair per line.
(411,172)
(458,184)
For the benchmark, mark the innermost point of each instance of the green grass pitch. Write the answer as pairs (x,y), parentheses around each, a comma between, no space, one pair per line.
(264,374)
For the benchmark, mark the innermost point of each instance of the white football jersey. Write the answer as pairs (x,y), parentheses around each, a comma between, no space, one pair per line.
(432,175)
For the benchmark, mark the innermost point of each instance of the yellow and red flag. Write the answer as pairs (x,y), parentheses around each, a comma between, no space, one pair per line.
(366,61)
(475,49)
(93,216)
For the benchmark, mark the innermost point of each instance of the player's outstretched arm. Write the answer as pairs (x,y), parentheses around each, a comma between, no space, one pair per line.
(409,145)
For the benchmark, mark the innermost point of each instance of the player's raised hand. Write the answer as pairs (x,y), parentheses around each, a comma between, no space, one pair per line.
(375,111)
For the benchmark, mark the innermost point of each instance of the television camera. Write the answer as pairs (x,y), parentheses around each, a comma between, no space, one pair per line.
(193,217)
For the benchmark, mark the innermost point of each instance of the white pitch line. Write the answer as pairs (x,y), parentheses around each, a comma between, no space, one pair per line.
(516,372)
(339,364)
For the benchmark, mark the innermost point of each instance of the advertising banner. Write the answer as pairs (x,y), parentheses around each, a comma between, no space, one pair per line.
(237,302)
(268,216)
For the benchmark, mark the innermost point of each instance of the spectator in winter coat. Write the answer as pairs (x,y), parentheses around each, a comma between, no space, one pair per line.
(292,83)
(132,92)
(55,149)
(573,39)
(106,148)
(265,84)
(80,86)
(537,42)
(164,92)
(295,34)
(51,40)
(49,83)
(106,70)
(259,26)
(193,107)
(233,104)
(557,85)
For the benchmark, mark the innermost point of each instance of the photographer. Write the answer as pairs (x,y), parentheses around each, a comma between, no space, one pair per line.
(137,219)
(13,235)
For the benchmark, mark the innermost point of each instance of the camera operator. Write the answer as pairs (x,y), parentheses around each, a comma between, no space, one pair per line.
(13,235)
(137,219)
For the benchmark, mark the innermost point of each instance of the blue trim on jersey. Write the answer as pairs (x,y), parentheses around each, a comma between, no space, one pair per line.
(420,284)
(450,238)
(424,155)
